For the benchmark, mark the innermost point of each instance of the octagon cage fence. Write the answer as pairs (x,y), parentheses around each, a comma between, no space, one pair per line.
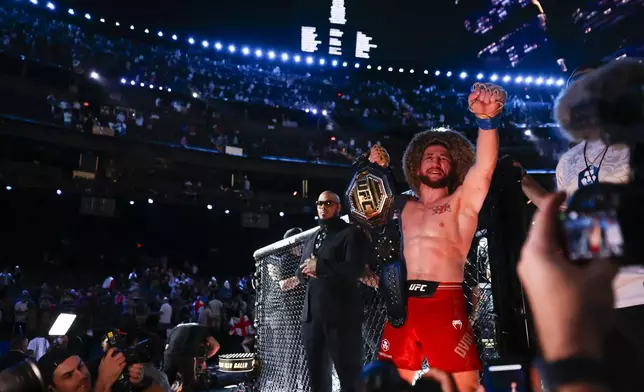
(281,358)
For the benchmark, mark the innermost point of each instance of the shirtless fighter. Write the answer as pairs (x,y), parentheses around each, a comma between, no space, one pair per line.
(438,226)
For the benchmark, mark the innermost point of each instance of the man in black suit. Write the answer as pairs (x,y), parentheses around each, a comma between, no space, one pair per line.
(332,261)
(16,354)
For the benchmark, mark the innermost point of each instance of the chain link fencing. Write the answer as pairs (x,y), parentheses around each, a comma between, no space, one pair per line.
(280,298)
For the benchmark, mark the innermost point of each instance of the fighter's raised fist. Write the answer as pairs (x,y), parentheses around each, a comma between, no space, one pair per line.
(486,100)
(379,156)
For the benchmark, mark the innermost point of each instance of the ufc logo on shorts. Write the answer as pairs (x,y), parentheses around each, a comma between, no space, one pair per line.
(418,287)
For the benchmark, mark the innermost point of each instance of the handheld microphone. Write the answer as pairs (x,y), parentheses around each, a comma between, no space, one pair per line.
(606,104)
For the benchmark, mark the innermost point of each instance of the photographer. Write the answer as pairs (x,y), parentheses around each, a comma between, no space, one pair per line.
(63,371)
(585,112)
(189,346)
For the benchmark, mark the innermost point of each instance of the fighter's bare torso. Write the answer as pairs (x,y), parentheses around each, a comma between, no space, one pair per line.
(437,238)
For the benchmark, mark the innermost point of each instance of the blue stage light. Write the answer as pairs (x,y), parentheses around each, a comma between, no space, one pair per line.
(480,76)
(284,56)
(539,81)
(50,5)
(449,74)
(123,81)
(437,73)
(357,65)
(271,55)
(219,46)
(160,33)
(117,24)
(191,41)
(309,60)
(344,64)
(297,59)
(550,81)
(560,82)
(70,11)
(205,44)
(231,48)
(529,80)
(87,16)
(506,78)
(519,79)
(334,63)
(463,75)
(322,61)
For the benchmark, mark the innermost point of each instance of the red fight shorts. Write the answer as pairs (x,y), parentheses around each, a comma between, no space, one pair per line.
(437,328)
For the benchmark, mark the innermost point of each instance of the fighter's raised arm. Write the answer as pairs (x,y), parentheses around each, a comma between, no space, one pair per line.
(486,102)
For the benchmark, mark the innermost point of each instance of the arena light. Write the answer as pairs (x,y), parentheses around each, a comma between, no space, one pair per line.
(401,70)
(87,16)
(259,53)
(379,68)
(527,132)
(205,44)
(231,48)
(209,206)
(174,37)
(169,90)
(309,60)
(307,110)
(550,81)
(132,28)
(284,56)
(160,88)
(539,81)
(479,76)
(191,41)
(102,20)
(519,79)
(160,33)
(426,72)
(151,86)
(50,5)
(94,75)
(506,78)
(62,324)
(195,95)
(449,74)
(411,71)
(142,84)
(123,81)
(271,55)
(463,75)
(357,65)
(117,24)
(131,202)
(529,80)
(219,46)
(369,66)
(227,212)
(297,59)
(494,77)
(316,217)
(245,51)
(132,82)
(281,214)
(390,69)
(334,63)
(560,82)
(59,192)
(344,64)
(70,11)
(150,201)
(146,31)
(437,73)
(8,187)
(324,112)
(314,111)
(35,2)
(322,61)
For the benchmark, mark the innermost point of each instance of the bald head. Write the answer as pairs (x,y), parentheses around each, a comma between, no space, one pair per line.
(328,205)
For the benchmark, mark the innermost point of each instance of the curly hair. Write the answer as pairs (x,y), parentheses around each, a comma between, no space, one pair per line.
(460,149)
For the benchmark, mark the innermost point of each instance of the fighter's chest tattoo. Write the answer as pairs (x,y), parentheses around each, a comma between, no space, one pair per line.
(438,210)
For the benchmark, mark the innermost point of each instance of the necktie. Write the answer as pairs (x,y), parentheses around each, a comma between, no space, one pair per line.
(320,239)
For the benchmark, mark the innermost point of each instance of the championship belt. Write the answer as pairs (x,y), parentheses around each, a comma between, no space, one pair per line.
(370,194)
(371,198)
(237,363)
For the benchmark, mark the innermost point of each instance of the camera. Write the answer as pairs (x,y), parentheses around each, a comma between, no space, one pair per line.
(140,353)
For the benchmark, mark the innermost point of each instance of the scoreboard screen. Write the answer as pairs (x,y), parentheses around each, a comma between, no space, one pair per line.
(329,30)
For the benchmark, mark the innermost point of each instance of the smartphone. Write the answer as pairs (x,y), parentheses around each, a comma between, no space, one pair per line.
(593,234)
(510,377)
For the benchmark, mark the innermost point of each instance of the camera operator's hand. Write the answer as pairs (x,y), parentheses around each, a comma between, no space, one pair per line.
(571,304)
(136,373)
(109,370)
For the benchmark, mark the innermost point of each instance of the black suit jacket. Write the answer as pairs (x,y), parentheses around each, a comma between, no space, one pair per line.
(333,297)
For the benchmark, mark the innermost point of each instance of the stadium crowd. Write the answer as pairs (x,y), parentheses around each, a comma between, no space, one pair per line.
(214,100)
